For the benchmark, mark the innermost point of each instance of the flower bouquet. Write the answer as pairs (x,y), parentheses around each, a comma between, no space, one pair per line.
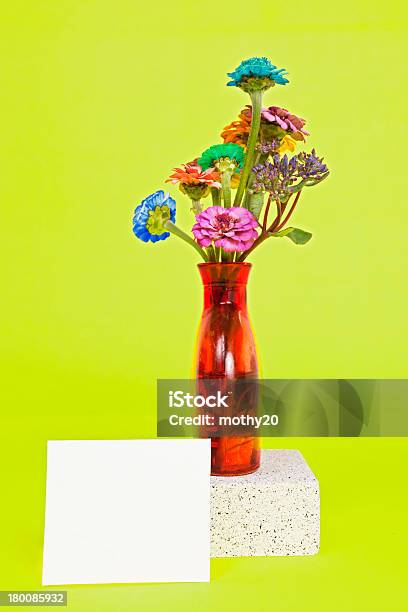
(253,181)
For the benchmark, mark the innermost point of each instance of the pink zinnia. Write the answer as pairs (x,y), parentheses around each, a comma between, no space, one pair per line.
(238,131)
(233,229)
(286,120)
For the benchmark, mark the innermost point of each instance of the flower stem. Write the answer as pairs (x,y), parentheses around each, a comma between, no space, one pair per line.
(224,256)
(278,216)
(216,196)
(259,158)
(286,219)
(196,206)
(226,188)
(211,253)
(173,229)
(256,98)
(257,242)
(275,227)
(265,219)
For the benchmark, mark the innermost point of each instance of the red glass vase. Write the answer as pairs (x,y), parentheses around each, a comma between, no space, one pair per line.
(226,351)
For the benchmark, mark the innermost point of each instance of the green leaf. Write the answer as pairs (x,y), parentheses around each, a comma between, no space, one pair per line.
(297,236)
(255,203)
(308,183)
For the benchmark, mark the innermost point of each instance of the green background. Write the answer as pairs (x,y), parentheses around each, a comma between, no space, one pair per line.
(100,99)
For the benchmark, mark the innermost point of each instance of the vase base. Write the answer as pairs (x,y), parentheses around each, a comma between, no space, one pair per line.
(240,473)
(235,456)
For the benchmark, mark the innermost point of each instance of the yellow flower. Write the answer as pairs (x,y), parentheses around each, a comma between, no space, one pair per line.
(287,144)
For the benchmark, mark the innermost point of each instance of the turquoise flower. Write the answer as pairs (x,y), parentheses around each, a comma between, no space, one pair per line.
(223,157)
(260,71)
(151,215)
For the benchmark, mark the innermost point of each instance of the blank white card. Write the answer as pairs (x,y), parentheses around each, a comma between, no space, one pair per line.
(127,511)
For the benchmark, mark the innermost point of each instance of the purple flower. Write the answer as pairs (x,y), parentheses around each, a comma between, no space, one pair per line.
(283,176)
(233,229)
(277,176)
(310,166)
(268,147)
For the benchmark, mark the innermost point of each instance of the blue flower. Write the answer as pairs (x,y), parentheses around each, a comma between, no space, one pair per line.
(258,67)
(151,215)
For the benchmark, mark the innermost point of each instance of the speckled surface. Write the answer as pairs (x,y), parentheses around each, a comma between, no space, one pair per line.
(272,512)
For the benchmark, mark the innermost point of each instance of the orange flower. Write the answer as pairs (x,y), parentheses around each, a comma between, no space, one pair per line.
(193,174)
(238,131)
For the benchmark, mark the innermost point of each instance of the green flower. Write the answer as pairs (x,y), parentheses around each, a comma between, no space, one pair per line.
(223,157)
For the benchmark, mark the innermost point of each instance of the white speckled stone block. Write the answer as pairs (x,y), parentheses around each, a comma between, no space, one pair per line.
(272,512)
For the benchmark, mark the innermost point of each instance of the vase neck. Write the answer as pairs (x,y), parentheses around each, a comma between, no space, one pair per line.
(224,284)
